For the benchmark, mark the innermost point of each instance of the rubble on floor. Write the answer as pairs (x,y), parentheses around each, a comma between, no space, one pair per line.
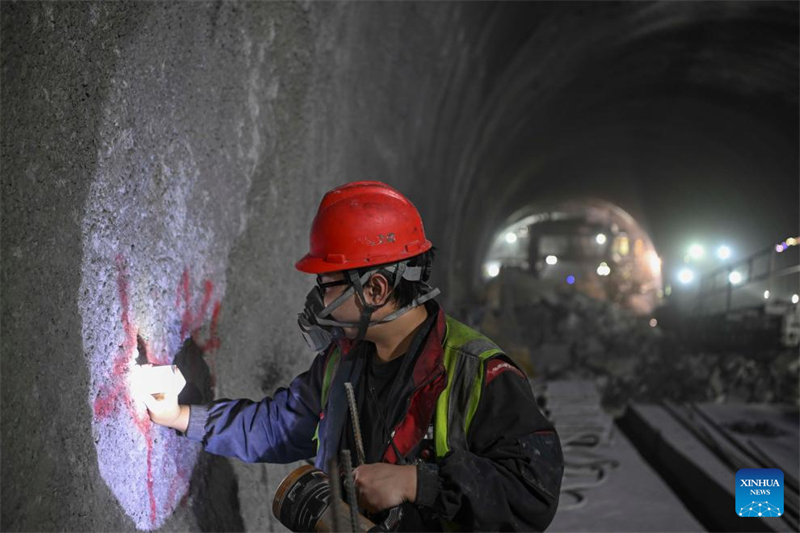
(555,332)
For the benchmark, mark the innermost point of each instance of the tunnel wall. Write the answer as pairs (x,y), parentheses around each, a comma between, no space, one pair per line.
(161,167)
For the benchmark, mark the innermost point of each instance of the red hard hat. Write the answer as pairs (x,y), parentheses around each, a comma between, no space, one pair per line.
(361,224)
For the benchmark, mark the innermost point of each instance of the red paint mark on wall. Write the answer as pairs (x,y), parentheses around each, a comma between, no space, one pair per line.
(109,397)
(172,502)
(116,396)
(112,397)
(192,322)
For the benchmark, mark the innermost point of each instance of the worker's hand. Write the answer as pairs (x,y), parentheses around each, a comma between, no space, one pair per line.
(383,486)
(163,408)
(158,387)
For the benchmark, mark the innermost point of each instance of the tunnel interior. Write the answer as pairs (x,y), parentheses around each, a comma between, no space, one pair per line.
(162,164)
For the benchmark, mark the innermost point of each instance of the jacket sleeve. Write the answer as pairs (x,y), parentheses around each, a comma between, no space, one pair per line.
(511,476)
(274,430)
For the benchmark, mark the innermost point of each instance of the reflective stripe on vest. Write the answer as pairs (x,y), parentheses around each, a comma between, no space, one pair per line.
(330,367)
(465,351)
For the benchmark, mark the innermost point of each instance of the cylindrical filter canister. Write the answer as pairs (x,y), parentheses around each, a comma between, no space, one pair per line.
(303,503)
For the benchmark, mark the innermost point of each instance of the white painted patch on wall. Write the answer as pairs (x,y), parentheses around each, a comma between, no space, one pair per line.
(167,202)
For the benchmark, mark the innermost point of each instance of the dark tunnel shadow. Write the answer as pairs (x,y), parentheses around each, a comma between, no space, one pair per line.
(214,493)
(194,368)
(213,489)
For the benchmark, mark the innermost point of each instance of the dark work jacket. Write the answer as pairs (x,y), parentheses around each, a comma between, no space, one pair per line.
(508,478)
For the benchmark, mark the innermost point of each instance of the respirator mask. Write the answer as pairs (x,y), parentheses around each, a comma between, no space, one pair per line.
(319,329)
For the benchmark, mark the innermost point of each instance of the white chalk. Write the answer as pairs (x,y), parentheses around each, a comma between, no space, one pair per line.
(156,379)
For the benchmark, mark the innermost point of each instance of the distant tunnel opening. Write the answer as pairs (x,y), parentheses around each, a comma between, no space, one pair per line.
(586,245)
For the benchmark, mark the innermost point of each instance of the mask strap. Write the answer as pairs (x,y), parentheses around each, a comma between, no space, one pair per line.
(398,274)
(366,309)
(337,302)
(419,300)
(356,286)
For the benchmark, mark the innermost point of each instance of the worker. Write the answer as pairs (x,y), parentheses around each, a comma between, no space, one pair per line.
(450,430)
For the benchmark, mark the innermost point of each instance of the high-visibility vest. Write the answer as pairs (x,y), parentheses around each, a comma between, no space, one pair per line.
(465,351)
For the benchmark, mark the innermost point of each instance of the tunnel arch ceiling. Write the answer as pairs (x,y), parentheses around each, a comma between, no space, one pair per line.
(661,109)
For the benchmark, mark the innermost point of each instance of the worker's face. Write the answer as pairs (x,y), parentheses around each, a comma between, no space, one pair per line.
(375,293)
(349,311)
